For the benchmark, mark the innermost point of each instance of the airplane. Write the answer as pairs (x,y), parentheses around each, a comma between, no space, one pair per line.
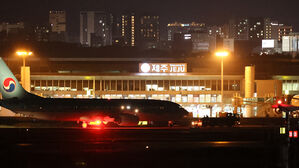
(88,112)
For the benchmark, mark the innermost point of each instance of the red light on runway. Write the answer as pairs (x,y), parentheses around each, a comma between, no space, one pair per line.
(295,134)
(290,134)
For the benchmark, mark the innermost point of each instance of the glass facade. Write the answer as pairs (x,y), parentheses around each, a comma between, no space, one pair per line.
(290,85)
(136,85)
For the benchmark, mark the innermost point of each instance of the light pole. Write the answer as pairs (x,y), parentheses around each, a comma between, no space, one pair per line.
(221,54)
(24,54)
(25,71)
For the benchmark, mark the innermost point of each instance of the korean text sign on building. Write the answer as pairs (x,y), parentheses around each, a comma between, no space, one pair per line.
(163,67)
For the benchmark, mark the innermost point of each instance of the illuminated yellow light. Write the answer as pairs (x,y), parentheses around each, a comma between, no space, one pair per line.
(98,122)
(136,110)
(24,53)
(122,107)
(142,123)
(84,125)
(221,142)
(221,53)
(286,77)
(282,130)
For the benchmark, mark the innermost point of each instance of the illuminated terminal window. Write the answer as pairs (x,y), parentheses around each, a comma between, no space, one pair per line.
(290,85)
(136,85)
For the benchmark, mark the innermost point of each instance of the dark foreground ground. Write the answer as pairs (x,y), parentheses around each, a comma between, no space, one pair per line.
(144,147)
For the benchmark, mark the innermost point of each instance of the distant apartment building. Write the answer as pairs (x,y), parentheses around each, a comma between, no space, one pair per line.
(116,31)
(246,28)
(11,28)
(231,28)
(12,31)
(129,29)
(57,21)
(229,44)
(284,30)
(225,31)
(41,33)
(203,41)
(256,29)
(239,29)
(149,31)
(183,28)
(95,28)
(270,29)
(220,31)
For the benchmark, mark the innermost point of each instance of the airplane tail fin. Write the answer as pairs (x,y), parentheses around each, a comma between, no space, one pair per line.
(9,85)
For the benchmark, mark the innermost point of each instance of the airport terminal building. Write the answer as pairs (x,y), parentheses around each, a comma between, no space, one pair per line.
(197,93)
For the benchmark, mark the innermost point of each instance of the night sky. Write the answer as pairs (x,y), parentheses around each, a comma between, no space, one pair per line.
(210,11)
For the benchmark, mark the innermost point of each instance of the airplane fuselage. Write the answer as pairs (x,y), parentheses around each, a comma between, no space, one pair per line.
(84,109)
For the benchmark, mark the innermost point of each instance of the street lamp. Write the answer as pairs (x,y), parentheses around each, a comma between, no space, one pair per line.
(25,71)
(222,54)
(24,54)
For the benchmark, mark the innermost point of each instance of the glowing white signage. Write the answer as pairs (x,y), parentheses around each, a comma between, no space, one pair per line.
(183,25)
(187,36)
(163,67)
(145,68)
(268,43)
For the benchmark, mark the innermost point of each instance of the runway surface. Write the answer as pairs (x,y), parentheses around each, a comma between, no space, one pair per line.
(140,147)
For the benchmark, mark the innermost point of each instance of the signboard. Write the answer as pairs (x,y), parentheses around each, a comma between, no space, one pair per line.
(187,36)
(268,43)
(162,67)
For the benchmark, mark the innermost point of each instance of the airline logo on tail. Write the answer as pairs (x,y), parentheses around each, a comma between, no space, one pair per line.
(9,85)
